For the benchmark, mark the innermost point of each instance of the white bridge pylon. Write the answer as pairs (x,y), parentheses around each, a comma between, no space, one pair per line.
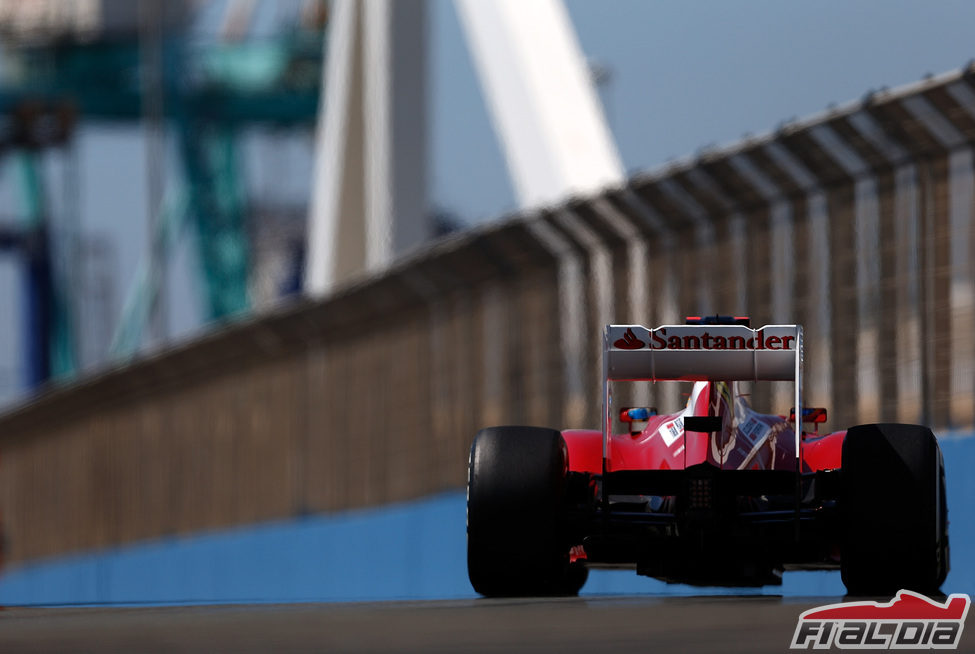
(541,97)
(369,184)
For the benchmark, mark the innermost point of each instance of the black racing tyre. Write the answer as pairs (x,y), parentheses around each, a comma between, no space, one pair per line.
(893,510)
(515,492)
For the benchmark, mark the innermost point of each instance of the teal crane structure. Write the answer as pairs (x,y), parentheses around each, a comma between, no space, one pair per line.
(212,90)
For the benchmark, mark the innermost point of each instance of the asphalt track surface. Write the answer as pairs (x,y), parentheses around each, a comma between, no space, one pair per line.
(611,624)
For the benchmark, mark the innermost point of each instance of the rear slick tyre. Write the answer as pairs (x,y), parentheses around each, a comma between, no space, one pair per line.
(515,493)
(893,510)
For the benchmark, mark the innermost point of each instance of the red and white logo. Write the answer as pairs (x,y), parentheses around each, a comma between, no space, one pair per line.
(909,621)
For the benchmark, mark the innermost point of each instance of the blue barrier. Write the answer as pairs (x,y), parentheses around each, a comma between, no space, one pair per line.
(414,550)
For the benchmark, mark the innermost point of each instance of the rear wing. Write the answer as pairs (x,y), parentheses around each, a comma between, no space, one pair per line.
(701,353)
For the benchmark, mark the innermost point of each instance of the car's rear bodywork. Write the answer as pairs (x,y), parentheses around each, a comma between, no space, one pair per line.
(717,493)
(730,506)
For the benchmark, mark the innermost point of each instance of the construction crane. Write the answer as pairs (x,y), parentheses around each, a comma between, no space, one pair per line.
(123,62)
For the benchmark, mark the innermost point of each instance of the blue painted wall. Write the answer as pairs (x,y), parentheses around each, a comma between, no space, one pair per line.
(409,551)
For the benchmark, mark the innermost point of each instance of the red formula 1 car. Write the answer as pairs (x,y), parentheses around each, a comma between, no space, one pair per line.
(714,494)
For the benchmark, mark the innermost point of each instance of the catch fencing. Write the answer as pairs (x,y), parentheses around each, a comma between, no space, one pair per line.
(857,224)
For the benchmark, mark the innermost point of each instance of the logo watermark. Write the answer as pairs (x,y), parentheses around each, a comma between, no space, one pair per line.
(909,621)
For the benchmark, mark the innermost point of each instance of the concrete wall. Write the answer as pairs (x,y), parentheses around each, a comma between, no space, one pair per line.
(409,550)
(369,398)
(858,224)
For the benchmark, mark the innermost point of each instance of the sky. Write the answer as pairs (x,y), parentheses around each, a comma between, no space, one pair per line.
(683,75)
(688,74)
